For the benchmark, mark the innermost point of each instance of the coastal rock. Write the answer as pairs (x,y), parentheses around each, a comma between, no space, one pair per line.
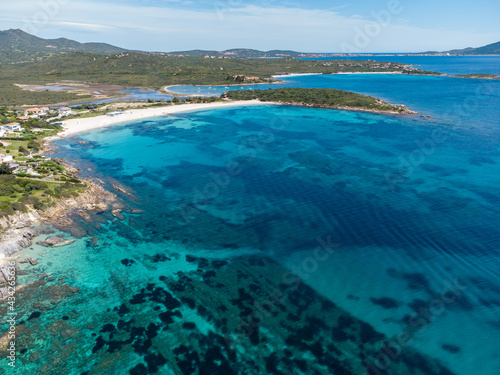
(78,232)
(4,292)
(66,242)
(4,274)
(52,241)
(56,241)
(95,198)
(15,240)
(20,220)
(32,261)
(122,189)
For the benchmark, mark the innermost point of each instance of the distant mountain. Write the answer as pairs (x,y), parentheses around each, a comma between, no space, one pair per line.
(19,46)
(490,49)
(241,53)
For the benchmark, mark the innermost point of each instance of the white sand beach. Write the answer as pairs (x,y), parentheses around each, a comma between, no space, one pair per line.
(78,125)
(296,75)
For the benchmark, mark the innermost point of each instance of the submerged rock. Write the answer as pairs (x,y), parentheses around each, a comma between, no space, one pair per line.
(93,242)
(32,261)
(117,213)
(56,241)
(451,348)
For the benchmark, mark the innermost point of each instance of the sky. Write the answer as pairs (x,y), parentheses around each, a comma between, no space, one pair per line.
(306,26)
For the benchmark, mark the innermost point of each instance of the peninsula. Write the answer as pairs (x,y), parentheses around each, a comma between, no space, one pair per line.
(321,98)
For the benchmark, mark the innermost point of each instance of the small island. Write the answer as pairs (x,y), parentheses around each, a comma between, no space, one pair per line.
(321,98)
(478,76)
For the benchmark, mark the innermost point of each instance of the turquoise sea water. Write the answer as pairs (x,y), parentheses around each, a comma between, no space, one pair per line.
(389,224)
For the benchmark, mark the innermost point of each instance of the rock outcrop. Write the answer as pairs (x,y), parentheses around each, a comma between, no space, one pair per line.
(18,234)
(15,240)
(56,241)
(20,220)
(94,198)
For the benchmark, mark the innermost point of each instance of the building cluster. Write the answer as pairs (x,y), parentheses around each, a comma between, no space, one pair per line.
(35,113)
(241,78)
(12,131)
(38,112)
(17,168)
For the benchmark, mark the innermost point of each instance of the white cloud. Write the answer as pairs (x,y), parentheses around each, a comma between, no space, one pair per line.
(225,26)
(83,26)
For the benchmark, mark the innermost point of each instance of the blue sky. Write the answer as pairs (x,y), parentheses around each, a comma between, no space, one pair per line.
(310,26)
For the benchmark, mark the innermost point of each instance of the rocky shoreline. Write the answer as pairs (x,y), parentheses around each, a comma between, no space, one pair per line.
(19,230)
(402,110)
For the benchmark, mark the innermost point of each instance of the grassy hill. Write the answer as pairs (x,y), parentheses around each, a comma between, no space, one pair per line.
(17,46)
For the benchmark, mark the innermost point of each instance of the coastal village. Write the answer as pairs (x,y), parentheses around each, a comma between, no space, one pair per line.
(19,147)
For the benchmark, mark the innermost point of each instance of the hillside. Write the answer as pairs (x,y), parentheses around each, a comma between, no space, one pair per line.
(490,49)
(17,46)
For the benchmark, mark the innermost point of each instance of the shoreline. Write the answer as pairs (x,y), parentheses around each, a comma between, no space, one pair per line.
(15,238)
(79,125)
(167,90)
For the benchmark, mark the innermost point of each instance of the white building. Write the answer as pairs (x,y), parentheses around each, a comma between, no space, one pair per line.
(36,112)
(64,111)
(26,169)
(5,158)
(12,127)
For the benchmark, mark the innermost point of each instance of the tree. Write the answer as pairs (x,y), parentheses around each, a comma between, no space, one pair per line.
(34,145)
(23,150)
(5,169)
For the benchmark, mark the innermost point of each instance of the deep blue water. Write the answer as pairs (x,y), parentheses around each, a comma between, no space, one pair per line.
(443,64)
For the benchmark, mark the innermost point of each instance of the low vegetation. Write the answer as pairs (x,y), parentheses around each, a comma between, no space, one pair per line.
(155,72)
(19,194)
(325,98)
(479,76)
